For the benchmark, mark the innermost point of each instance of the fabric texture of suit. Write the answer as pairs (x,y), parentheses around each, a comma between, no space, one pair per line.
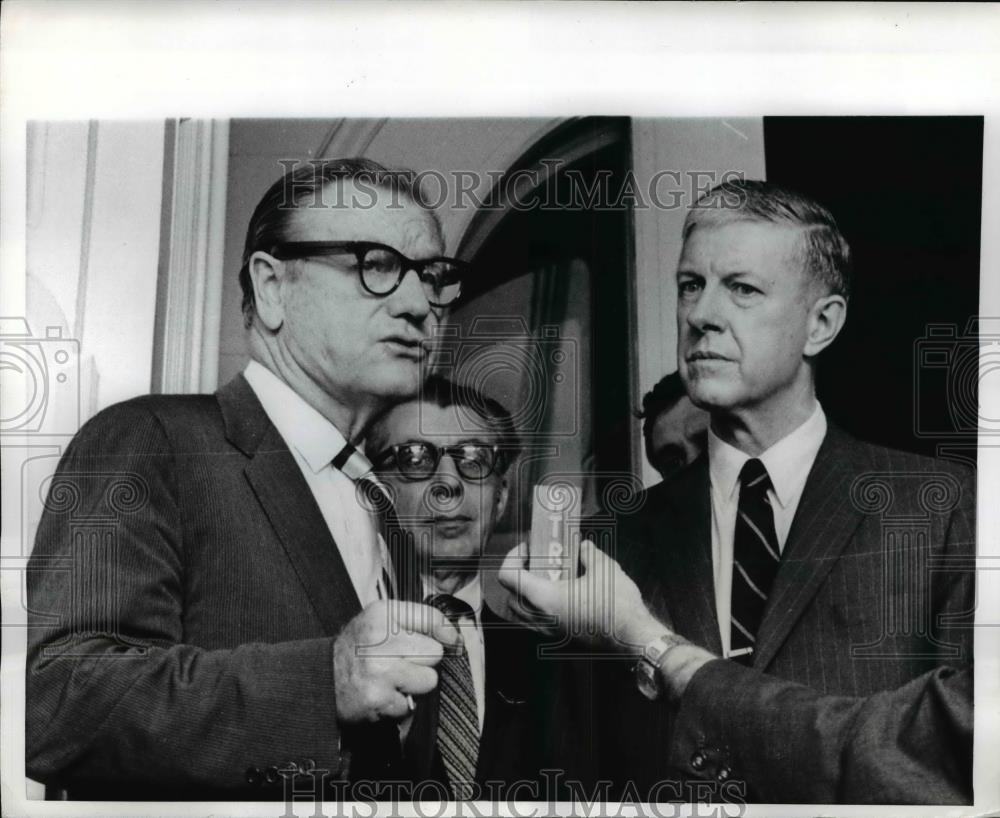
(861,687)
(185,593)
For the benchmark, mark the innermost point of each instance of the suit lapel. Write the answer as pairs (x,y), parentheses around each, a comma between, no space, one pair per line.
(499,637)
(821,529)
(290,506)
(681,529)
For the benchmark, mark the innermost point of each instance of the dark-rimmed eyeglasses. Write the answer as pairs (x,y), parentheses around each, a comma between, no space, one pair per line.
(382,268)
(418,459)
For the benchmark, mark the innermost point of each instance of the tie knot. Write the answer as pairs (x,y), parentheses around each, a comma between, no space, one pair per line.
(352,463)
(754,475)
(450,606)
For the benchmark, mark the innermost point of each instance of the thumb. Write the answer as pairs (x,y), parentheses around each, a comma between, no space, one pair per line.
(514,564)
(425,619)
(522,584)
(590,556)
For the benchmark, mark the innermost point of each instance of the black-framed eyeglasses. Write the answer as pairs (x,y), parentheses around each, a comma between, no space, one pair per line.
(418,459)
(382,268)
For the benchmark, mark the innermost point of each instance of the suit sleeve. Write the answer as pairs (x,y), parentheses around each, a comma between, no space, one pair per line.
(786,743)
(114,694)
(790,743)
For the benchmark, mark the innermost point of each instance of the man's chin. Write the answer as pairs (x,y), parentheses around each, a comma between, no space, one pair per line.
(715,401)
(399,382)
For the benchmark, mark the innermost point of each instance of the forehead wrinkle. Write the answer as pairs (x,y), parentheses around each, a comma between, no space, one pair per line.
(733,260)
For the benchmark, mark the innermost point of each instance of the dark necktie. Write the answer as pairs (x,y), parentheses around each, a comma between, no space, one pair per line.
(458,719)
(755,560)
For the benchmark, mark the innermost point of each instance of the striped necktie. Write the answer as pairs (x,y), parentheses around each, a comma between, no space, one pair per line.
(376,498)
(458,720)
(756,558)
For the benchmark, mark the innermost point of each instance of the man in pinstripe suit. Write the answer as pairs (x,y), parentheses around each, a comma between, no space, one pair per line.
(834,576)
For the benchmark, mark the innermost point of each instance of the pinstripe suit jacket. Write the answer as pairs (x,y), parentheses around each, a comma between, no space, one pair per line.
(185,593)
(861,689)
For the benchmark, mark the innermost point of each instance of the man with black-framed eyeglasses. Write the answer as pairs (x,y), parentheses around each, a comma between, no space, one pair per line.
(491,721)
(238,632)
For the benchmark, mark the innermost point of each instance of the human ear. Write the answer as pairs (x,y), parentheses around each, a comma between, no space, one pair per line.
(826,319)
(502,496)
(266,276)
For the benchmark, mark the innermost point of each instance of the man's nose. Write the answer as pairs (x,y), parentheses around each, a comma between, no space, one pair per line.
(446,486)
(705,312)
(410,298)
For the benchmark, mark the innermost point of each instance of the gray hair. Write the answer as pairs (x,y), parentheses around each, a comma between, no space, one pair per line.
(826,254)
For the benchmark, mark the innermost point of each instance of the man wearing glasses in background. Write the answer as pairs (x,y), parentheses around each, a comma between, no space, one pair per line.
(488,724)
(213,611)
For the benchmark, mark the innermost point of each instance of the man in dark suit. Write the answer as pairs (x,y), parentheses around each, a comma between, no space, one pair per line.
(486,729)
(833,575)
(211,606)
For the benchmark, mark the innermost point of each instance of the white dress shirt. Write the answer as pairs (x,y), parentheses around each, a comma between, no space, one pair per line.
(788,463)
(314,442)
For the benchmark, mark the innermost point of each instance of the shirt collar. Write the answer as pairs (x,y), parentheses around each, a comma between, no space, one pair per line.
(787,462)
(305,430)
(471,593)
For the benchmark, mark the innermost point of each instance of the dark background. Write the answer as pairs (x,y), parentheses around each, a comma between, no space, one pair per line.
(906,192)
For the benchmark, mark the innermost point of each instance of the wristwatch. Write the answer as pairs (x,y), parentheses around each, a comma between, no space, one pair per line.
(647,669)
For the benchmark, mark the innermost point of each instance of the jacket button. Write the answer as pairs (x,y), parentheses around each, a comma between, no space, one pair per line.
(698,761)
(254,776)
(723,774)
(271,776)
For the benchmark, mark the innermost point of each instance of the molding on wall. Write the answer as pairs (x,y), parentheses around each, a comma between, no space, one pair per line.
(192,298)
(349,137)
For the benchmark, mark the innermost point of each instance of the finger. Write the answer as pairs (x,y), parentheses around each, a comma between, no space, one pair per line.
(412,679)
(413,647)
(426,620)
(590,555)
(534,592)
(396,706)
(418,649)
(514,564)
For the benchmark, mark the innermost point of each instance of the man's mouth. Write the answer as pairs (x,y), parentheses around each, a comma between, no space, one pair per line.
(414,348)
(704,355)
(450,525)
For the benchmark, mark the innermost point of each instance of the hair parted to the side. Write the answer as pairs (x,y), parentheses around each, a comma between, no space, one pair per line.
(302,185)
(826,253)
(662,397)
(441,392)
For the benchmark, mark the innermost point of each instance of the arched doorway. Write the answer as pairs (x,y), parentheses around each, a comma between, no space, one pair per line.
(546,325)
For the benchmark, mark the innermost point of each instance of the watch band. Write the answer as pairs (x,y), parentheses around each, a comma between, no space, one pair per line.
(647,668)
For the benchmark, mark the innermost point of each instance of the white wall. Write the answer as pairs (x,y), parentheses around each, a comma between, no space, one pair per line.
(84,336)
